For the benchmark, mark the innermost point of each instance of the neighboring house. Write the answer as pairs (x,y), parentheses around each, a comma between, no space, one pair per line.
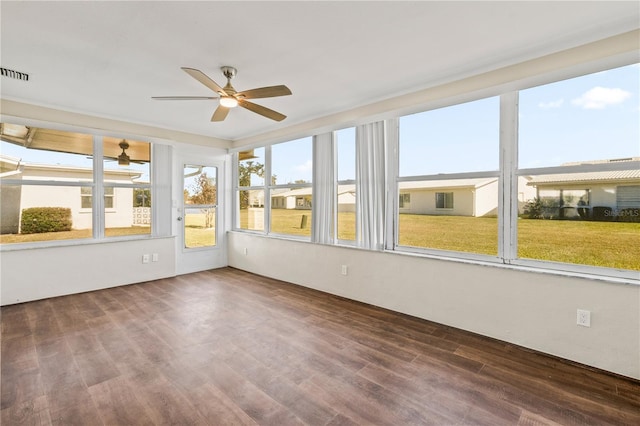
(454,197)
(568,195)
(596,195)
(299,199)
(119,210)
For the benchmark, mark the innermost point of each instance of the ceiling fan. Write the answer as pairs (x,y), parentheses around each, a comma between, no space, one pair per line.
(230,98)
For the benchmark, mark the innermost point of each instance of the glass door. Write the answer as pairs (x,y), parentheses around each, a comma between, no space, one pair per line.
(200,196)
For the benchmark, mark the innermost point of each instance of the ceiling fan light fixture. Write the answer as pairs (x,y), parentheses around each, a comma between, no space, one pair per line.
(123,159)
(228,102)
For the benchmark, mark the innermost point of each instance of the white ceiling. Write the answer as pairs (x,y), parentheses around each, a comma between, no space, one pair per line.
(108,59)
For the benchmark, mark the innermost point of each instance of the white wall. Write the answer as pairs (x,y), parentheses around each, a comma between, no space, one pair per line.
(33,274)
(531,309)
(486,200)
(423,201)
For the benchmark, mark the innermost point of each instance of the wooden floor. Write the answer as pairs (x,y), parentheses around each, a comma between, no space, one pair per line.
(226,347)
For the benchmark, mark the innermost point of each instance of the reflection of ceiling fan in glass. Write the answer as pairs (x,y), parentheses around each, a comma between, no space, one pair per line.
(123,159)
(229,98)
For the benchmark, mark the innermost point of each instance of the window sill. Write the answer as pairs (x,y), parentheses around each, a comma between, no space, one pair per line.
(609,275)
(77,242)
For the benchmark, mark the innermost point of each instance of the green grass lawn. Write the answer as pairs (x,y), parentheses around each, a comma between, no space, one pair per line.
(283,221)
(72,235)
(607,244)
(196,233)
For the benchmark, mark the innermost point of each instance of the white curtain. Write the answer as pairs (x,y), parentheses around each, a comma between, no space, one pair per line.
(323,189)
(370,185)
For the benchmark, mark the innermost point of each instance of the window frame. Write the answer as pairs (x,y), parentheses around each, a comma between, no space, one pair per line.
(507,174)
(445,197)
(344,182)
(270,188)
(97,185)
(215,206)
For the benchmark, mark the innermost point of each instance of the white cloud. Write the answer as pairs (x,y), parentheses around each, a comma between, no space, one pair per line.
(306,167)
(601,97)
(551,104)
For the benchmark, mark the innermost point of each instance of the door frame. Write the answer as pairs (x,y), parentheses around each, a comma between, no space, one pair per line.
(190,260)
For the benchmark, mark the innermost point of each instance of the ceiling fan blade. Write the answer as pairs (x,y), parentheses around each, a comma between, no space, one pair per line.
(183,98)
(265,92)
(259,109)
(202,78)
(220,113)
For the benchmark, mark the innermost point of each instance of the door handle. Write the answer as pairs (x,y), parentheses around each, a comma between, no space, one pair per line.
(179,218)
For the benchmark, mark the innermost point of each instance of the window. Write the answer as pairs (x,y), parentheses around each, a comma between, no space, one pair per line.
(43,173)
(127,186)
(446,153)
(578,152)
(87,198)
(404,200)
(345,143)
(251,190)
(290,189)
(48,180)
(555,185)
(200,189)
(444,200)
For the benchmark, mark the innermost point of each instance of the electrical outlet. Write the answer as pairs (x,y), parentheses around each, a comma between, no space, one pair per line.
(246,252)
(145,258)
(154,257)
(584,318)
(345,270)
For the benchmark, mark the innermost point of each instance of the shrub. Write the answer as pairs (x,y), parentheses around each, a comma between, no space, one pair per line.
(37,220)
(629,215)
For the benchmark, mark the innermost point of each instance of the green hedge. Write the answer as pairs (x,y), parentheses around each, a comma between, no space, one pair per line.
(37,220)
(629,215)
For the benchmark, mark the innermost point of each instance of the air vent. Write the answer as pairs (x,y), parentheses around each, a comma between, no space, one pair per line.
(14,74)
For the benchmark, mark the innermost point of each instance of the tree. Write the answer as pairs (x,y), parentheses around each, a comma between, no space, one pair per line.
(245,170)
(203,192)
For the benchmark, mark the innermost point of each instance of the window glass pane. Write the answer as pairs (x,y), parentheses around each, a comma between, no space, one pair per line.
(251,211)
(346,159)
(42,213)
(251,167)
(462,218)
(459,138)
(200,185)
(126,160)
(52,155)
(346,153)
(587,218)
(127,211)
(593,117)
(200,189)
(582,218)
(291,211)
(292,162)
(347,212)
(199,227)
(450,214)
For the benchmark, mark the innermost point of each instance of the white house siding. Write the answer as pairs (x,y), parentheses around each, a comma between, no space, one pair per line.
(424,202)
(121,215)
(57,196)
(347,202)
(486,200)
